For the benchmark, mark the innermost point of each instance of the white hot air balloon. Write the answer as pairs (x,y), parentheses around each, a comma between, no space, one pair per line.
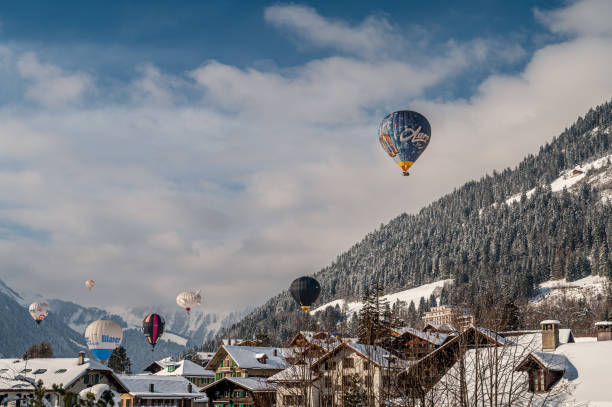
(90,284)
(103,337)
(189,299)
(39,311)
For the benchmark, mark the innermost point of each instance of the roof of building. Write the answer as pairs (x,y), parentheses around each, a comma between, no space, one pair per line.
(603,323)
(550,321)
(167,386)
(246,357)
(295,373)
(20,374)
(254,384)
(435,338)
(376,354)
(185,368)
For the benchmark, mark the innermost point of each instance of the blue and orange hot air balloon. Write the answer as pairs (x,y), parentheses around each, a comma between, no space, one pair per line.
(153,328)
(404,135)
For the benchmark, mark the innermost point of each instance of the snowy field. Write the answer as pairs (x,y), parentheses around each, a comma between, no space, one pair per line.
(412,294)
(587,287)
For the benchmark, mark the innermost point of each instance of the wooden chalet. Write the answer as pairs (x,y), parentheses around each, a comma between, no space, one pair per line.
(248,361)
(241,392)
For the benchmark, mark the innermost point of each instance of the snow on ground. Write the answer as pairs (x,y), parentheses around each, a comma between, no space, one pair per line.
(412,294)
(587,287)
(567,179)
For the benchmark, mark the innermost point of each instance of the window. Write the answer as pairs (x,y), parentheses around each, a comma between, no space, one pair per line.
(348,363)
(58,371)
(3,370)
(171,368)
(96,379)
(26,370)
(293,400)
(86,379)
(331,365)
(347,380)
(40,371)
(366,365)
(368,381)
(221,365)
(328,381)
(538,382)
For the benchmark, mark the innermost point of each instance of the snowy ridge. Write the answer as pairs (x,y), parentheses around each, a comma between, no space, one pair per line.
(584,288)
(412,294)
(572,177)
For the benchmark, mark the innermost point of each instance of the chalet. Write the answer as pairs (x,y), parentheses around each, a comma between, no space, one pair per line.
(372,367)
(248,361)
(158,365)
(580,365)
(73,374)
(294,387)
(413,344)
(313,344)
(191,371)
(241,392)
(166,391)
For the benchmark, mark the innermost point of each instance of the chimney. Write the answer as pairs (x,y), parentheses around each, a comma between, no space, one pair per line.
(189,388)
(604,330)
(81,359)
(151,388)
(550,334)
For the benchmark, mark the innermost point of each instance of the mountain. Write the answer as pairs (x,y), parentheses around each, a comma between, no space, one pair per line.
(547,218)
(65,325)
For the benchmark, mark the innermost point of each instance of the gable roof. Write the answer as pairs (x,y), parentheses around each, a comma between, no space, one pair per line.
(168,386)
(435,338)
(185,368)
(246,357)
(376,354)
(254,384)
(20,374)
(295,373)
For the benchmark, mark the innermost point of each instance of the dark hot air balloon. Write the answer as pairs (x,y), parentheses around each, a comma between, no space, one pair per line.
(404,135)
(153,328)
(305,290)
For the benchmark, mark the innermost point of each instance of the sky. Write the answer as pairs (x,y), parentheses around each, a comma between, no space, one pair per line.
(232,146)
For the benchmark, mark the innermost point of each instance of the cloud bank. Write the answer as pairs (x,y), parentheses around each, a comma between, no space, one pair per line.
(237,180)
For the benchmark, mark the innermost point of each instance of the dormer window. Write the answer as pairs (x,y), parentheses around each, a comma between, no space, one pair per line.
(261,358)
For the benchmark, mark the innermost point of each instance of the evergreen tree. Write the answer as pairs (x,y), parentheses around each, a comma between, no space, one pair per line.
(119,361)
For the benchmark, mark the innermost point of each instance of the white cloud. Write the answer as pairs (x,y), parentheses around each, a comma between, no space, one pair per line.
(583,18)
(50,85)
(374,36)
(269,175)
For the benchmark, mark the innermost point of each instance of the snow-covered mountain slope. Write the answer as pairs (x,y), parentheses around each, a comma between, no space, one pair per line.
(413,294)
(597,173)
(585,288)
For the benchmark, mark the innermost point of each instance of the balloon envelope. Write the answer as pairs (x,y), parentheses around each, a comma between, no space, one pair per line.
(39,311)
(103,337)
(90,284)
(153,328)
(305,290)
(404,135)
(189,299)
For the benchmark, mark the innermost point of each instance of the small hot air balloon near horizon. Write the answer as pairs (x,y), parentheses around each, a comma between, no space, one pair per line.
(404,135)
(102,337)
(189,299)
(305,290)
(39,311)
(90,284)
(153,329)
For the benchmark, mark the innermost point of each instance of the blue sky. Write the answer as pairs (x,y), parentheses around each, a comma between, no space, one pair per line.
(232,147)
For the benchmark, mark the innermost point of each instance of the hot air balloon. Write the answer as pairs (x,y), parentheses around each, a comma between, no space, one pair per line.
(189,299)
(404,135)
(305,290)
(90,284)
(39,311)
(153,328)
(103,337)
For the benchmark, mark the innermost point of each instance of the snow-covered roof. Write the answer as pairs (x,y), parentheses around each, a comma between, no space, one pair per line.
(553,361)
(97,391)
(254,384)
(167,386)
(185,368)
(494,336)
(550,321)
(432,337)
(64,371)
(603,323)
(246,357)
(376,354)
(296,373)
